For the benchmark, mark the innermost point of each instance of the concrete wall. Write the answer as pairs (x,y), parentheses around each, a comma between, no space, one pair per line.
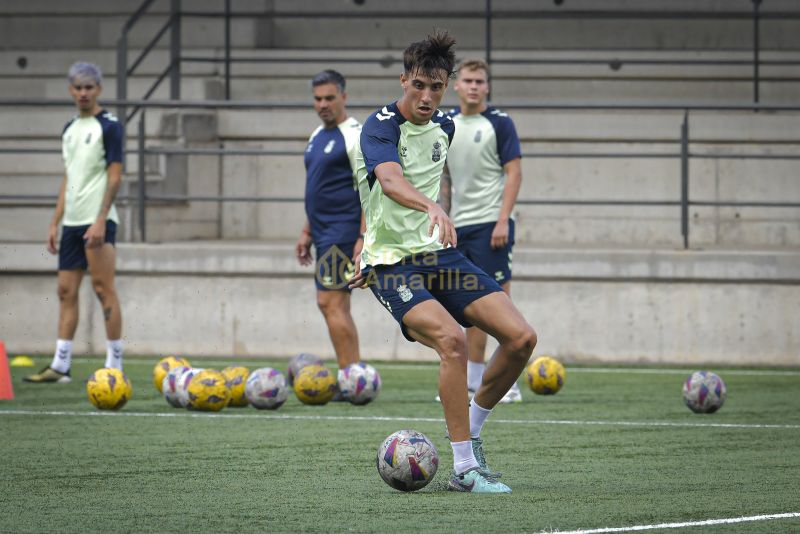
(589,305)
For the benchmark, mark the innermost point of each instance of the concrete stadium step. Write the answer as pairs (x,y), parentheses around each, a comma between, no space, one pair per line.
(555,125)
(48,123)
(554,90)
(93,24)
(56,62)
(49,184)
(79,30)
(56,88)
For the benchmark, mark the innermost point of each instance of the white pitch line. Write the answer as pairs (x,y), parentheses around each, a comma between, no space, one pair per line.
(707,522)
(263,415)
(434,365)
(651,371)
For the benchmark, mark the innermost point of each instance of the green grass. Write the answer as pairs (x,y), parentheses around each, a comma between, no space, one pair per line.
(285,472)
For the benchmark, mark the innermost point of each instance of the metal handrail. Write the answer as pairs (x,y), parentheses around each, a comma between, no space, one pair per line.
(142,198)
(173,24)
(304,105)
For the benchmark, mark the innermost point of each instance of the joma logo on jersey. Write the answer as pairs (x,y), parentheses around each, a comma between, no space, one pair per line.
(436,154)
(329,147)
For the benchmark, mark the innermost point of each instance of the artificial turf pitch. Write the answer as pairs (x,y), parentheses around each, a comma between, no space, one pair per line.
(615,448)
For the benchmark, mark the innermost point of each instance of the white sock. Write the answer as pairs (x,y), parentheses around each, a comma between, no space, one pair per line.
(62,359)
(340,375)
(463,457)
(474,375)
(114,354)
(477,417)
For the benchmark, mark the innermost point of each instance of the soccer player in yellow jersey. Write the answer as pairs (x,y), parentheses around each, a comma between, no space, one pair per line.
(92,151)
(410,262)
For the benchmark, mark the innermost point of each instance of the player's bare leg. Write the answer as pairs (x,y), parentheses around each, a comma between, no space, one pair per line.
(102,265)
(497,315)
(335,308)
(69,282)
(476,338)
(430,324)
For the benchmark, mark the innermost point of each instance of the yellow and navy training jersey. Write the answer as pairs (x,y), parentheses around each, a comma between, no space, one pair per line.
(483,144)
(89,146)
(332,204)
(394,231)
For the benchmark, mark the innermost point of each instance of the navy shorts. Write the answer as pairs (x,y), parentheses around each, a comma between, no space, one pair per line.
(72,251)
(475,242)
(334,267)
(445,275)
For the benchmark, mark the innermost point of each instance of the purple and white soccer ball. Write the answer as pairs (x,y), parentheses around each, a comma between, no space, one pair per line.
(704,392)
(183,385)
(266,389)
(298,362)
(359,383)
(169,386)
(407,460)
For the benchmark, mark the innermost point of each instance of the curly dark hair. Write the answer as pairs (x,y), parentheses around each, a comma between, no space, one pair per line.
(431,56)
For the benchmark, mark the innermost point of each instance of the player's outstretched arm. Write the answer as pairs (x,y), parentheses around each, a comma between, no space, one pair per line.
(500,234)
(396,187)
(445,190)
(302,249)
(95,235)
(52,232)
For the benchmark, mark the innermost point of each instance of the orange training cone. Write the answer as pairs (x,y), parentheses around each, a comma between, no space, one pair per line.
(6,389)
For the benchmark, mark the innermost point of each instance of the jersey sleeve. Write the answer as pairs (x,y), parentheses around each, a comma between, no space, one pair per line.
(112,141)
(447,125)
(508,146)
(379,138)
(351,133)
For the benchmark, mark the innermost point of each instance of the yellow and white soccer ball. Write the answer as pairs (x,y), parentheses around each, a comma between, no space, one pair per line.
(315,384)
(108,389)
(208,391)
(546,375)
(237,379)
(163,367)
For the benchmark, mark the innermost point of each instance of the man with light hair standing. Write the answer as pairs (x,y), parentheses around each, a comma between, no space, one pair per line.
(479,189)
(93,154)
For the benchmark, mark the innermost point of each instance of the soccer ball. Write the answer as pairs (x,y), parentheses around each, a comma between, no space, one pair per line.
(359,383)
(704,392)
(546,375)
(236,377)
(162,368)
(298,362)
(208,391)
(407,460)
(108,389)
(169,387)
(266,389)
(315,384)
(184,380)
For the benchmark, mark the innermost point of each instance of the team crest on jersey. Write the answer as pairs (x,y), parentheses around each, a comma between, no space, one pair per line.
(477,138)
(403,151)
(436,154)
(329,146)
(88,138)
(405,293)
